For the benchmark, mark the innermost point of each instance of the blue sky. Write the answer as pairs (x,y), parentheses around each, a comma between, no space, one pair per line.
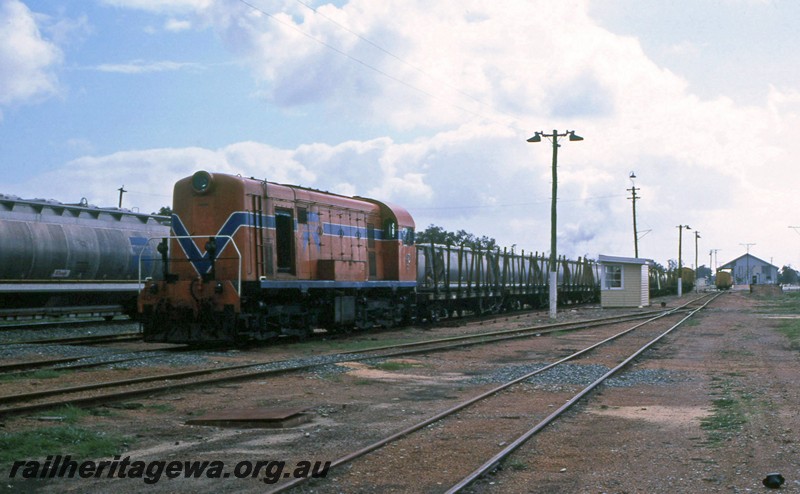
(427,106)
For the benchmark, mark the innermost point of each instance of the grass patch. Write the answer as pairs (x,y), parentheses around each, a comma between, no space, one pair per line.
(37,374)
(787,303)
(729,412)
(393,366)
(161,407)
(69,414)
(516,465)
(735,354)
(695,321)
(102,412)
(790,328)
(61,439)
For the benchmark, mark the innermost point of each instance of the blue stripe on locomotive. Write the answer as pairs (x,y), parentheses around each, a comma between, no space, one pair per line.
(202,262)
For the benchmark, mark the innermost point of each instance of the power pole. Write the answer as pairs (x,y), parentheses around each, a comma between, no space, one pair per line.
(711,261)
(748,262)
(121,191)
(633,190)
(696,265)
(716,262)
(680,254)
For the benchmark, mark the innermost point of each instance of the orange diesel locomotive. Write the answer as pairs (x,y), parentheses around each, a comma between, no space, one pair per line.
(250,260)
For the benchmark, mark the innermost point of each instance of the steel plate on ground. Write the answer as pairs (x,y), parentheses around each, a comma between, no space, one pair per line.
(254,418)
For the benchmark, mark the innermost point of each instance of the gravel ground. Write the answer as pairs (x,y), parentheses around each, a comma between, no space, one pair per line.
(640,433)
(580,374)
(67,331)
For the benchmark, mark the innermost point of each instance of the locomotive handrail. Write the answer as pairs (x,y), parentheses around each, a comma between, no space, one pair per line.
(178,237)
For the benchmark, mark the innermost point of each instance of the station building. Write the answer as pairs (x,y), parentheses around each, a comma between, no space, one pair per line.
(624,281)
(750,270)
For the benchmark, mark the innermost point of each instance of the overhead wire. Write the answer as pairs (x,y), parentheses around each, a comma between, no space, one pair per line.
(512,205)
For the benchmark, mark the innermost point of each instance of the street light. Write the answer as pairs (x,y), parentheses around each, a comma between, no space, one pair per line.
(537,137)
(680,248)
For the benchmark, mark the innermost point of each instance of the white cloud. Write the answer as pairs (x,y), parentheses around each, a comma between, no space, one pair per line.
(176,25)
(141,67)
(469,82)
(684,48)
(27,60)
(161,6)
(484,77)
(149,175)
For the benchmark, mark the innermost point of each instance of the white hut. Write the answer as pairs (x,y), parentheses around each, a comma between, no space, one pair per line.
(624,281)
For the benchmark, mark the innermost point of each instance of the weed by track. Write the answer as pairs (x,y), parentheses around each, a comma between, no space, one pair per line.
(734,406)
(69,437)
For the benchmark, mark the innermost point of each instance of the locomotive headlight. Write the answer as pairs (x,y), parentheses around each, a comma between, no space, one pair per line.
(201,182)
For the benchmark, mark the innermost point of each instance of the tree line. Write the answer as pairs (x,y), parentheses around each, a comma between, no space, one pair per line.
(438,235)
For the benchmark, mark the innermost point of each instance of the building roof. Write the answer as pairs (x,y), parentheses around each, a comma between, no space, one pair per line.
(623,260)
(734,262)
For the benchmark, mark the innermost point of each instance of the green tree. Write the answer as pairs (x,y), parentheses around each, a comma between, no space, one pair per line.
(438,235)
(788,276)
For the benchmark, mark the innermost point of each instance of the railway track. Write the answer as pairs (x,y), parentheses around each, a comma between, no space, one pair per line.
(482,417)
(132,336)
(81,340)
(69,363)
(89,395)
(73,363)
(33,317)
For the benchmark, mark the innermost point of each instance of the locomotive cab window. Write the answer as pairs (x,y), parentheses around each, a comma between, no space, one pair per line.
(612,277)
(302,216)
(390,230)
(407,236)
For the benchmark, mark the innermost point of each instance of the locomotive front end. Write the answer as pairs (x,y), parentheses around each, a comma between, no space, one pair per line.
(198,299)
